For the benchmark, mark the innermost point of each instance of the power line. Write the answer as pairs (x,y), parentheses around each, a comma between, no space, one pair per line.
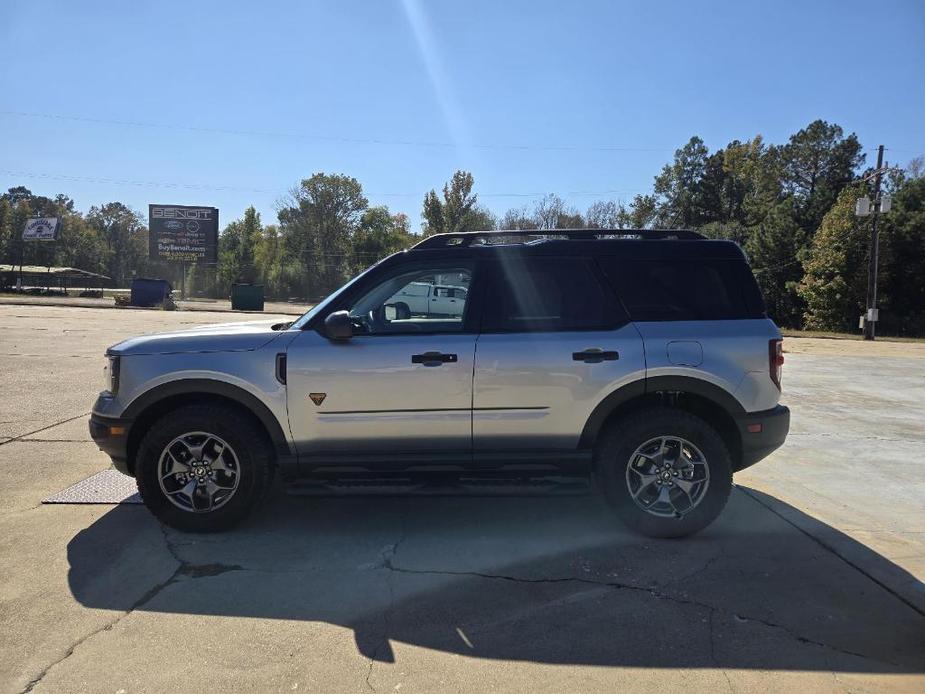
(203,186)
(333,138)
(129,182)
(781,266)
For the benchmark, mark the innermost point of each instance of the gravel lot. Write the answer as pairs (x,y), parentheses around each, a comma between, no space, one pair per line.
(811,580)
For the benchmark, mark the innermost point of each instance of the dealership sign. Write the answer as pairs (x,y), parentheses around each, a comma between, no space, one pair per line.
(183,234)
(40,229)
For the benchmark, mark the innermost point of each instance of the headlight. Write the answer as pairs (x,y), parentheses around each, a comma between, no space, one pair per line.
(111,374)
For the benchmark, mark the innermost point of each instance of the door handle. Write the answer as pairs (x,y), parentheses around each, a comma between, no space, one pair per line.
(434,358)
(595,355)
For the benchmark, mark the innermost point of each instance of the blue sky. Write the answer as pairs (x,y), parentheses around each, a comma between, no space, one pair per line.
(231,104)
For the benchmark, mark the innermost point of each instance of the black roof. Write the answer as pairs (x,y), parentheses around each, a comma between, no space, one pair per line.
(641,244)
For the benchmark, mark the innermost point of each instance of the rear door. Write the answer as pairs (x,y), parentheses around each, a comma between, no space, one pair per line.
(554,343)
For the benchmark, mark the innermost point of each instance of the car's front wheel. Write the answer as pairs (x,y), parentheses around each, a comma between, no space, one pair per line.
(203,468)
(666,472)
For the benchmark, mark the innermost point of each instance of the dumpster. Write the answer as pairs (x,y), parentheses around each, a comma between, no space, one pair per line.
(247,297)
(148,292)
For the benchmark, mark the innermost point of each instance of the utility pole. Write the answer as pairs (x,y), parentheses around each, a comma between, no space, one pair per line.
(870,319)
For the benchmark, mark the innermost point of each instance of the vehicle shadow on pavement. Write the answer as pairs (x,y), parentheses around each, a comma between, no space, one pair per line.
(547,580)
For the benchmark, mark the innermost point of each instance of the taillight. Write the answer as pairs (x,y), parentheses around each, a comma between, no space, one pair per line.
(776,360)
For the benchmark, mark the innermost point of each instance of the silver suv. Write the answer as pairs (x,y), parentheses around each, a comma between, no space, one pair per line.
(641,361)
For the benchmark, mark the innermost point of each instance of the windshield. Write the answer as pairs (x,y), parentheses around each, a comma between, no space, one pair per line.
(327,301)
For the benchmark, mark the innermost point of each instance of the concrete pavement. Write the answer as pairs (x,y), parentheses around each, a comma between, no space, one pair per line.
(810,580)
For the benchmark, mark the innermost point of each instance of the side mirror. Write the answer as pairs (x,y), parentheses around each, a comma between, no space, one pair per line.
(338,325)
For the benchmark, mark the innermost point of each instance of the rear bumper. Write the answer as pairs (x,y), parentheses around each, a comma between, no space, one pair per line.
(111,435)
(762,433)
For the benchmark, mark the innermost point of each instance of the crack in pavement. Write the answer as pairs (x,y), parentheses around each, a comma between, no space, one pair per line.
(703,569)
(855,437)
(194,571)
(713,657)
(184,568)
(70,651)
(653,592)
(387,556)
(50,426)
(55,440)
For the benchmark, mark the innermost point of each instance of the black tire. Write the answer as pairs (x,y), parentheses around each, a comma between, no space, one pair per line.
(615,453)
(251,452)
(402,311)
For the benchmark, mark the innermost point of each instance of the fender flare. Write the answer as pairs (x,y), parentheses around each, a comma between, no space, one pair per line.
(200,386)
(635,389)
(697,386)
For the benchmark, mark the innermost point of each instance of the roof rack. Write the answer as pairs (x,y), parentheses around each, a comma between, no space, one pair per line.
(465,239)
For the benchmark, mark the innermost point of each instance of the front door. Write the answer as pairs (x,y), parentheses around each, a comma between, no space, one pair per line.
(401,384)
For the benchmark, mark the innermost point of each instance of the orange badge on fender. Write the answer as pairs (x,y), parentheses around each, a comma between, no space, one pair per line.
(317,398)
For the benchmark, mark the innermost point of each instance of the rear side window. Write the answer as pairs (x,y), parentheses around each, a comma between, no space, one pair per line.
(546,294)
(674,290)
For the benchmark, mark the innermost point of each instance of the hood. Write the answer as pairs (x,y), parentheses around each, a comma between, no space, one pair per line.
(225,337)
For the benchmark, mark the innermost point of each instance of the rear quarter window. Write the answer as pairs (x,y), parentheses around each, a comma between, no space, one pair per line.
(676,290)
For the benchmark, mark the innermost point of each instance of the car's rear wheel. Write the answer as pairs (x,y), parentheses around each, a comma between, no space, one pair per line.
(203,468)
(666,472)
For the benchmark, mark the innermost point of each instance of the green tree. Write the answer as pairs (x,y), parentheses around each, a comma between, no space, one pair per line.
(729,231)
(6,231)
(380,234)
(457,211)
(80,245)
(481,219)
(250,233)
(902,258)
(237,252)
(18,194)
(518,219)
(19,250)
(816,164)
(229,256)
(835,282)
(268,258)
(642,213)
(753,181)
(25,204)
(317,224)
(679,187)
(125,237)
(774,248)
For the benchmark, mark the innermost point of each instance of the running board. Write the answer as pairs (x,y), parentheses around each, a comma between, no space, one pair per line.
(440,486)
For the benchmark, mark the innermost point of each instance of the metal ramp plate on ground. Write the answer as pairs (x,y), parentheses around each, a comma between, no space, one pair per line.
(106,487)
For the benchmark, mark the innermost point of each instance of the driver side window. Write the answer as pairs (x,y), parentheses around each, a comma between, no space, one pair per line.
(425,300)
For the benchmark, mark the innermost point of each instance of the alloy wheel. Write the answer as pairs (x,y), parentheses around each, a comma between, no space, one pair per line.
(198,472)
(667,476)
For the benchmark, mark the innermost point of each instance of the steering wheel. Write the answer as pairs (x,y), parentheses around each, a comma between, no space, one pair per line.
(362,325)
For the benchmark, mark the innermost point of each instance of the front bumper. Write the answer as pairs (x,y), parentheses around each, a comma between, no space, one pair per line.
(762,433)
(111,435)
